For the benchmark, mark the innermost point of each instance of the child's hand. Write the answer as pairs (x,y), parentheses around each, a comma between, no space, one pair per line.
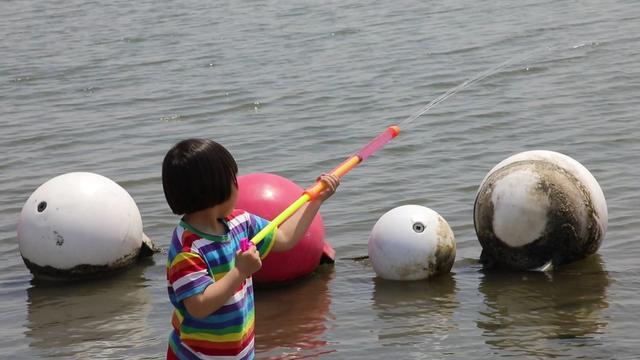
(248,262)
(332,182)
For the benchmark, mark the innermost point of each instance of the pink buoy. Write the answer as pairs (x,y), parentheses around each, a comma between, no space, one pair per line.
(267,195)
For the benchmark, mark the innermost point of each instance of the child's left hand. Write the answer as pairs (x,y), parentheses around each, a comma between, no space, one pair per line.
(332,182)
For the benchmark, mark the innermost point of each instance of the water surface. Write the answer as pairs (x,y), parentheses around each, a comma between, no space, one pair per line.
(293,88)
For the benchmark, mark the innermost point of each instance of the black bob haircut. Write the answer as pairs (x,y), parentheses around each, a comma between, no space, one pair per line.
(197,174)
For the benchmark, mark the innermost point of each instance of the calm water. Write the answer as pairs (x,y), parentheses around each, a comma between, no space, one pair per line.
(293,88)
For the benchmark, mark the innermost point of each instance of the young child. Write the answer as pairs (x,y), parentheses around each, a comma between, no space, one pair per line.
(208,275)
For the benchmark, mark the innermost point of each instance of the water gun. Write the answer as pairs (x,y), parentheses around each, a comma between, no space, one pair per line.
(312,192)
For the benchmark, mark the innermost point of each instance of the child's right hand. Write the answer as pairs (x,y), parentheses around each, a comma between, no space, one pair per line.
(248,262)
(331,184)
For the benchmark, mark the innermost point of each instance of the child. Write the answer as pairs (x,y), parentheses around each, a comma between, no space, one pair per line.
(208,276)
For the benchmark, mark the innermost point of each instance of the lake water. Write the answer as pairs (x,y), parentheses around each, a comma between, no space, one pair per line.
(293,88)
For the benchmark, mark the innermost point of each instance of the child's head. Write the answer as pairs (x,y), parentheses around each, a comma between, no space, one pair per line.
(197,174)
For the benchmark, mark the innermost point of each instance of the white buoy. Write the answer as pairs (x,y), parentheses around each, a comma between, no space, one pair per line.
(411,242)
(539,208)
(79,225)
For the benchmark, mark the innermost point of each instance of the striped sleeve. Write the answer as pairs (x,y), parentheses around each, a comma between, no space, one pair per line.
(255,225)
(187,275)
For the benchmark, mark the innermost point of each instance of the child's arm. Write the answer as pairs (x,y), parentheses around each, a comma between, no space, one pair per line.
(218,293)
(291,231)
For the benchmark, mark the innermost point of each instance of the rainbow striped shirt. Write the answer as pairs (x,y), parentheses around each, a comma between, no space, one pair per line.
(196,260)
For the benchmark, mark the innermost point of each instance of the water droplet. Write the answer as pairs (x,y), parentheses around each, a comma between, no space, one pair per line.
(22,78)
(171,117)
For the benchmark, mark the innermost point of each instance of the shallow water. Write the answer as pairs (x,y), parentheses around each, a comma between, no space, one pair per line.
(294,88)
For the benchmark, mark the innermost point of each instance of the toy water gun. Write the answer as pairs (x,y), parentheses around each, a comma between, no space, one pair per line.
(312,192)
